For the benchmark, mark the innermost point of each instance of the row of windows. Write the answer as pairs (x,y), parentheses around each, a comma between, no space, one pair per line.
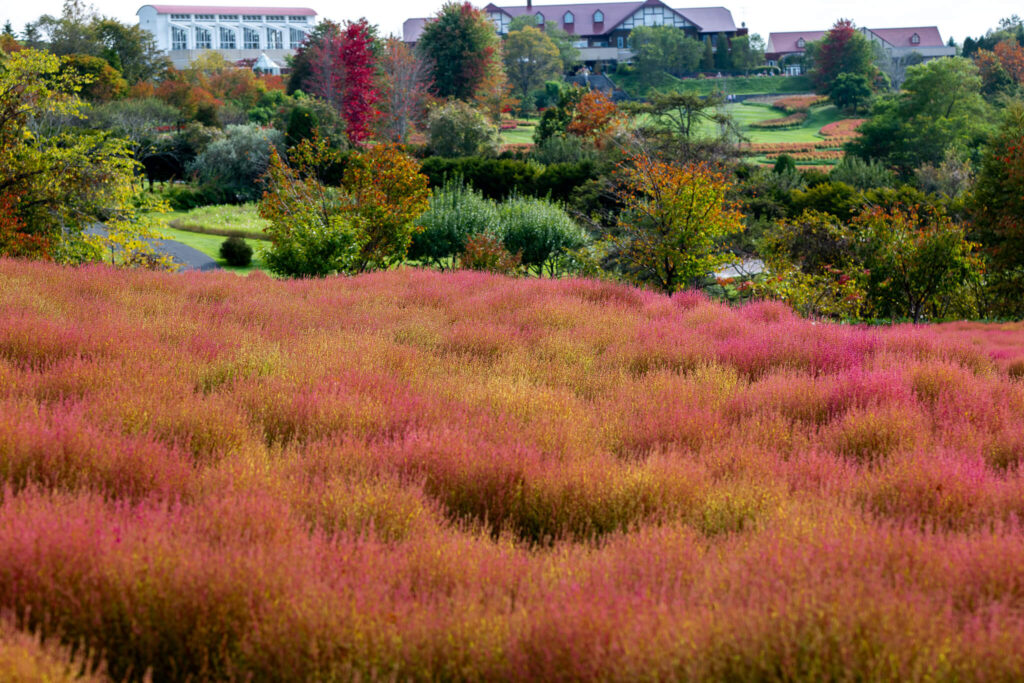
(570,18)
(251,38)
(245,17)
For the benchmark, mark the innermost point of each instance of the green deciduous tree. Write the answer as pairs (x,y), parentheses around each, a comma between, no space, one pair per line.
(456,129)
(850,91)
(671,220)
(459,45)
(664,49)
(940,108)
(56,184)
(531,58)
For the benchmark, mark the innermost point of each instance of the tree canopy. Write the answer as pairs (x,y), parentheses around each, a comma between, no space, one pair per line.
(458,45)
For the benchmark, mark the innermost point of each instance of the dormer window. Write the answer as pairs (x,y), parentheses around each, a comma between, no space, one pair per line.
(801,43)
(568,18)
(540,19)
(915,39)
(598,17)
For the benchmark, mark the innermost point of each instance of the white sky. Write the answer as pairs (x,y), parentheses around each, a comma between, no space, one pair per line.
(761,16)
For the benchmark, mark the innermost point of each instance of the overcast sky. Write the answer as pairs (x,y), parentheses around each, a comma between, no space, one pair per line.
(958,19)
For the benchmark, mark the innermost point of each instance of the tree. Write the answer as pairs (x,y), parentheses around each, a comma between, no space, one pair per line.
(340,67)
(456,129)
(940,108)
(917,265)
(997,205)
(130,49)
(723,60)
(595,117)
(234,163)
(404,90)
(386,193)
(664,49)
(995,79)
(53,187)
(101,82)
(564,41)
(685,126)
(707,60)
(72,33)
(747,52)
(315,47)
(671,220)
(530,60)
(850,91)
(843,49)
(310,235)
(458,45)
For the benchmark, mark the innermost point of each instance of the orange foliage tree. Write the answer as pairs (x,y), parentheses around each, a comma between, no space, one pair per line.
(595,117)
(672,218)
(386,193)
(1011,56)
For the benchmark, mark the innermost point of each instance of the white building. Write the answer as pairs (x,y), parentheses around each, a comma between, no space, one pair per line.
(186,31)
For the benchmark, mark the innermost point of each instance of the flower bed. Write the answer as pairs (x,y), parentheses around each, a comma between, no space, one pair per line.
(815,155)
(847,128)
(799,103)
(791,121)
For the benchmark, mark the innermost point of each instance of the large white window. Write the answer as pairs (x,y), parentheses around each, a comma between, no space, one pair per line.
(203,39)
(297,20)
(179,38)
(180,17)
(252,39)
(274,41)
(295,37)
(227,39)
(204,17)
(252,17)
(229,17)
(275,17)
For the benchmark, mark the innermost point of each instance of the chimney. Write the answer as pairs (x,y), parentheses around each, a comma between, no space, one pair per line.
(529,5)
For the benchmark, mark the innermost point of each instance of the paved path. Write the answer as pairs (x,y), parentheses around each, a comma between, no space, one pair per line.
(185,256)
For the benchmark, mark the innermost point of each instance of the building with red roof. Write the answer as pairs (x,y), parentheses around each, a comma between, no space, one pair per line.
(901,45)
(237,32)
(602,28)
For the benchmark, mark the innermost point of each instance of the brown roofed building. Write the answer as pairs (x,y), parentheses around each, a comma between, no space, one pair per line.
(602,28)
(920,43)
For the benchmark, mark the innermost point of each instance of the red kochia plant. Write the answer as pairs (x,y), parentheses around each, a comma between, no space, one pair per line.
(486,252)
(409,474)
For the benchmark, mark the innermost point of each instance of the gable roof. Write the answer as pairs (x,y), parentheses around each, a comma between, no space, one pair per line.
(583,14)
(224,9)
(710,19)
(779,43)
(412,28)
(901,37)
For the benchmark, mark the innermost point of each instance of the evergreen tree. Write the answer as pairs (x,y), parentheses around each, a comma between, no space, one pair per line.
(723,60)
(707,62)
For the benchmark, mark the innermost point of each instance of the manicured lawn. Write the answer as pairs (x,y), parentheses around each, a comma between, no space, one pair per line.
(518,136)
(221,217)
(210,245)
(734,85)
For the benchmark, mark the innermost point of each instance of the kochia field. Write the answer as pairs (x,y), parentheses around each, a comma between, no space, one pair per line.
(415,475)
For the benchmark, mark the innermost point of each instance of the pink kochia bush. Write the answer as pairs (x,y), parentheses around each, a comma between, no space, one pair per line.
(414,475)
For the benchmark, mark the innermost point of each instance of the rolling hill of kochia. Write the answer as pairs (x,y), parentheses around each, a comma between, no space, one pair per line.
(419,475)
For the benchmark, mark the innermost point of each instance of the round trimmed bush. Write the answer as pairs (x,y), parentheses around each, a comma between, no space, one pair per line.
(236,251)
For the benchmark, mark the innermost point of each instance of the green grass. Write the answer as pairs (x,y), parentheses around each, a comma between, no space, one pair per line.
(806,132)
(210,245)
(518,135)
(732,85)
(222,217)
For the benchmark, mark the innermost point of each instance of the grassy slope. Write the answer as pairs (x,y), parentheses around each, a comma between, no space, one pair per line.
(736,85)
(520,135)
